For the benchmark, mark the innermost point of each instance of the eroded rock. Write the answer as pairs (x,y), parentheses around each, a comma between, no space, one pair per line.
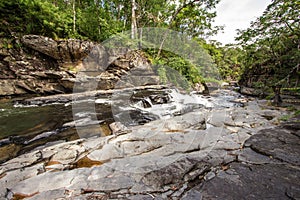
(277,143)
(176,158)
(70,50)
(47,66)
(251,182)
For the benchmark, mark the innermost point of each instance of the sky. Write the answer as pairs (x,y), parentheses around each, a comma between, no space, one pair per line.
(237,14)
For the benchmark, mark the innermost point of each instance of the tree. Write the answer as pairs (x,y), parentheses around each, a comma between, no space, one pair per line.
(192,17)
(133,20)
(272,45)
(74,15)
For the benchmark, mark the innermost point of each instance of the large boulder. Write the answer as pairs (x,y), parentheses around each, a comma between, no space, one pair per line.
(71,50)
(129,69)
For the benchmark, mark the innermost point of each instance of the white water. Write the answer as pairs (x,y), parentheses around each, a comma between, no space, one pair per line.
(179,104)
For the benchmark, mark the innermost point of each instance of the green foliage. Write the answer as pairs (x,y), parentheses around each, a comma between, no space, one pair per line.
(294,113)
(34,17)
(6,44)
(228,59)
(182,67)
(193,17)
(297,112)
(272,46)
(285,118)
(97,20)
(296,89)
(162,73)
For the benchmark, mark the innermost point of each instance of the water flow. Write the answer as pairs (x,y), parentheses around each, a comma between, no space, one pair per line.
(33,125)
(170,103)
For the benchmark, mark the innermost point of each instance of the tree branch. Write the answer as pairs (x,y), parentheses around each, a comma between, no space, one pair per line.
(170,24)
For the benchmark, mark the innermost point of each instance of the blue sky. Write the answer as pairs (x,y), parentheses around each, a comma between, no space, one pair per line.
(237,14)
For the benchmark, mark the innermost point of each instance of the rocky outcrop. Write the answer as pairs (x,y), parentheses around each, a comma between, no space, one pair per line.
(267,167)
(26,71)
(41,65)
(64,51)
(233,157)
(128,70)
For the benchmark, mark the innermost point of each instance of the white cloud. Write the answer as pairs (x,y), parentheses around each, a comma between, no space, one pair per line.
(237,14)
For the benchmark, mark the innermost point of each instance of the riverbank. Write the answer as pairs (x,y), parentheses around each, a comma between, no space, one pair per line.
(220,153)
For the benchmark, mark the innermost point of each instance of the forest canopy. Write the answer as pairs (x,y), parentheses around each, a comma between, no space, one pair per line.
(97,20)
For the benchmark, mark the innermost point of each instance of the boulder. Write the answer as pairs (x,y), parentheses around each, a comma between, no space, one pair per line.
(225,85)
(71,50)
(277,143)
(251,91)
(201,88)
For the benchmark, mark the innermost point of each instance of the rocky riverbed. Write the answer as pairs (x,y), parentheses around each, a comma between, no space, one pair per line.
(228,152)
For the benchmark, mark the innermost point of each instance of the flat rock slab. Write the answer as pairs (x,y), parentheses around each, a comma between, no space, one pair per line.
(279,143)
(243,181)
(266,168)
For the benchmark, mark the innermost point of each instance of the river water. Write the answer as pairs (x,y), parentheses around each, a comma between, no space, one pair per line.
(26,127)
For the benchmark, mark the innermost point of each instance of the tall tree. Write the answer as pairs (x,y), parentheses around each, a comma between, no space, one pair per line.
(272,44)
(192,17)
(133,20)
(74,15)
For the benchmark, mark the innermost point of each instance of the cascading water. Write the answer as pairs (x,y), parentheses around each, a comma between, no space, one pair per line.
(29,125)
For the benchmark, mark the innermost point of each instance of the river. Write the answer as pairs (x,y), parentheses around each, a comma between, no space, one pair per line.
(26,126)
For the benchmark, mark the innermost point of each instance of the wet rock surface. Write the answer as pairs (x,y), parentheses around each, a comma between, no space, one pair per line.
(224,153)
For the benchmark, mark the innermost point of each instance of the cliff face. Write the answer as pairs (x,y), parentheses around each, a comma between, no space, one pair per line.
(40,65)
(24,70)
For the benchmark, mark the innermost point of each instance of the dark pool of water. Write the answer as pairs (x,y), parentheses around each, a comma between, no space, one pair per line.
(26,121)
(26,127)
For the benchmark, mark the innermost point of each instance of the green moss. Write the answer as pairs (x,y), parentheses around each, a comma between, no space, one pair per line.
(291,108)
(285,117)
(297,112)
(71,68)
(269,97)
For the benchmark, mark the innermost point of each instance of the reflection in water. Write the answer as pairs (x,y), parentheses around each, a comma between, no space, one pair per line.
(31,120)
(26,127)
(23,128)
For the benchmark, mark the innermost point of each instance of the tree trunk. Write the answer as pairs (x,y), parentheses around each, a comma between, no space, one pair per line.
(162,43)
(74,17)
(277,99)
(140,38)
(186,4)
(133,20)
